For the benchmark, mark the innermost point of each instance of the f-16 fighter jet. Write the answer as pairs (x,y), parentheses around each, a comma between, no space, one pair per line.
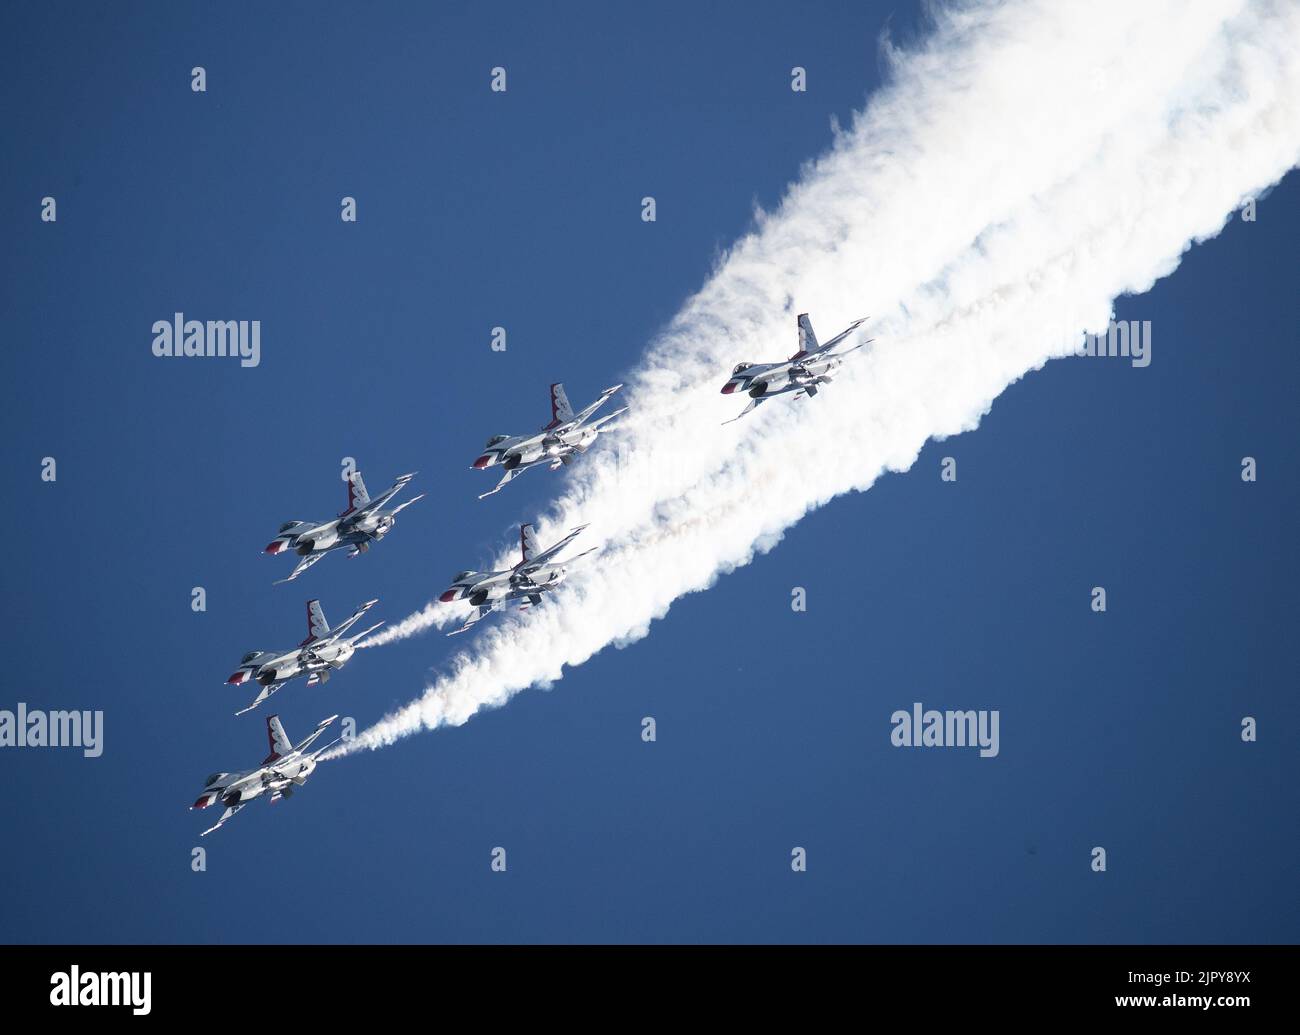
(555,444)
(802,373)
(364,522)
(285,768)
(534,575)
(323,651)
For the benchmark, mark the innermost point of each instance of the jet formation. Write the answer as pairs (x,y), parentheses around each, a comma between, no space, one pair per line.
(538,572)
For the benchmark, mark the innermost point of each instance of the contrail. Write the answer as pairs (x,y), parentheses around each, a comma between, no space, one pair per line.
(1027,164)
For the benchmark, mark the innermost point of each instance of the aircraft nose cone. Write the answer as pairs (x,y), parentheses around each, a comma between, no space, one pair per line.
(237,678)
(202,802)
(448,597)
(482,462)
(274,547)
(729,387)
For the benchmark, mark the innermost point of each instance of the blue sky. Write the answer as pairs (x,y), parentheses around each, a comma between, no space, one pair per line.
(477,210)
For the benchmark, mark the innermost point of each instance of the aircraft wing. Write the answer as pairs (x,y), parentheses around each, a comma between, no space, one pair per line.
(609,417)
(823,349)
(583,414)
(478,615)
(366,632)
(414,499)
(514,472)
(584,553)
(753,405)
(302,566)
(381,499)
(500,485)
(321,727)
(536,560)
(230,811)
(267,691)
(321,750)
(346,624)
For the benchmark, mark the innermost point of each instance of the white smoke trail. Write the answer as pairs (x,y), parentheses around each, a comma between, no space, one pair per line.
(1029,163)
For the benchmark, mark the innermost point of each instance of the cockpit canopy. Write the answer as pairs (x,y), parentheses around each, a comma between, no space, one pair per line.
(213,779)
(741,366)
(287,525)
(250,656)
(496,440)
(460,576)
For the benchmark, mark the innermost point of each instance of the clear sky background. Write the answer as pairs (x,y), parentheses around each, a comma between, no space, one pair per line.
(523,210)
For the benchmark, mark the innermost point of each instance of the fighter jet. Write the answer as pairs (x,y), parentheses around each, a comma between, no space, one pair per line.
(364,522)
(534,575)
(802,373)
(555,444)
(323,651)
(285,768)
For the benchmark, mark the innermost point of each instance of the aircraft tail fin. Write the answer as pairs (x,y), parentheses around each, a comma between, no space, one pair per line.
(528,542)
(317,627)
(357,495)
(281,745)
(807,339)
(561,411)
